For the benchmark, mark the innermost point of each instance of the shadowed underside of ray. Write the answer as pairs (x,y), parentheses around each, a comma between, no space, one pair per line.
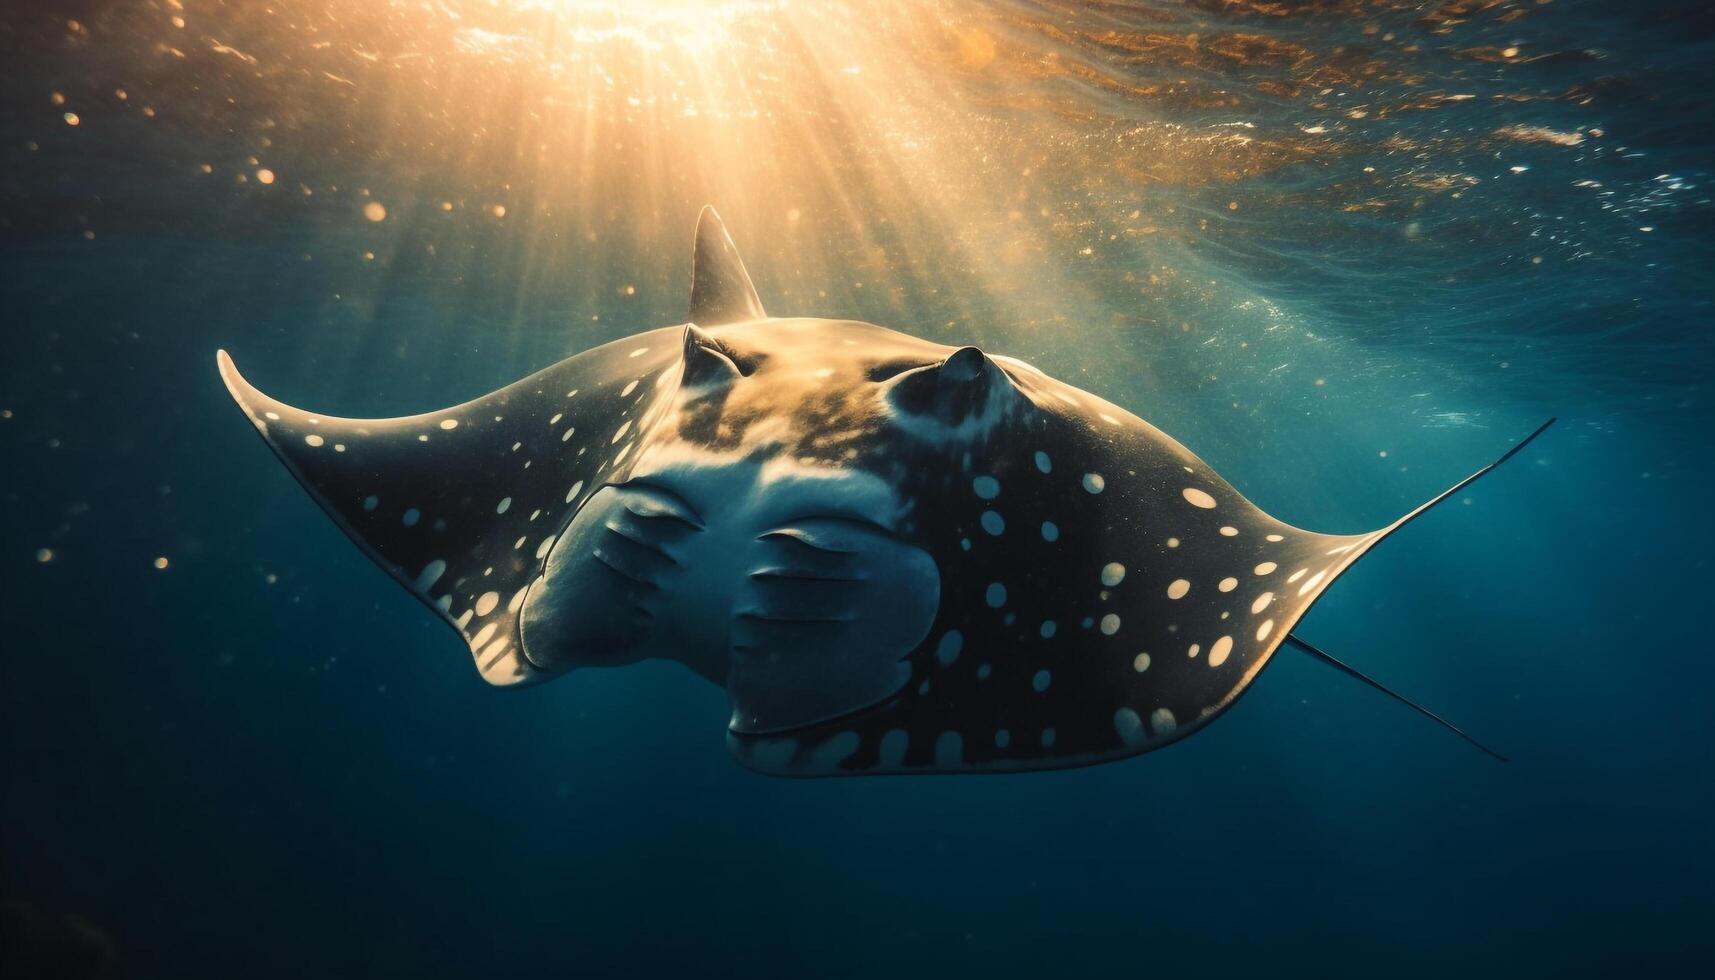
(462,505)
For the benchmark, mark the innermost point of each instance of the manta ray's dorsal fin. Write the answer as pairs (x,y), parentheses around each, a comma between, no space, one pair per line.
(720,288)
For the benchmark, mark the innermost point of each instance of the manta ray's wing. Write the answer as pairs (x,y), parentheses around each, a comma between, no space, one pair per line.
(462,505)
(1109,593)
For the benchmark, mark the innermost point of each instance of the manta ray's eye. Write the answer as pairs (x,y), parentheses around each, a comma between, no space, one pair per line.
(708,361)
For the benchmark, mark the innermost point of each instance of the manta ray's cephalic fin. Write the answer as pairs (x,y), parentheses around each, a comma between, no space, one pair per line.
(720,287)
(1375,538)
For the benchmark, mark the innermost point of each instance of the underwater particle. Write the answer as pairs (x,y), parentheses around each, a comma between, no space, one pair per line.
(161,562)
(375,211)
(72,119)
(499,210)
(264,176)
(793,214)
(628,290)
(44,555)
(57,98)
(976,49)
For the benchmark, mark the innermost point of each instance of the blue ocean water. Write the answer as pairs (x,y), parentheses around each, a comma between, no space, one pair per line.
(1346,251)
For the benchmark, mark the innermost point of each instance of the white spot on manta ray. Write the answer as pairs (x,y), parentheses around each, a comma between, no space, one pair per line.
(411,517)
(486,602)
(1266,568)
(1041,681)
(1043,463)
(996,595)
(1177,588)
(1229,532)
(986,487)
(891,752)
(272,416)
(1162,722)
(449,424)
(1094,483)
(1140,663)
(1266,628)
(639,352)
(1220,650)
(1276,538)
(1228,584)
(947,651)
(993,523)
(371,502)
(1198,498)
(949,749)
(546,545)
(431,574)
(628,389)
(313,439)
(1050,531)
(576,489)
(1113,573)
(1110,624)
(1262,602)
(501,507)
(1129,726)
(623,429)
(1312,582)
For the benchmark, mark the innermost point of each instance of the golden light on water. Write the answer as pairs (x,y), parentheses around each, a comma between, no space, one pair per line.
(965,171)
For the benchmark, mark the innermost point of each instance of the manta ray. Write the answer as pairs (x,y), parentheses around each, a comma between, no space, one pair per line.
(895,556)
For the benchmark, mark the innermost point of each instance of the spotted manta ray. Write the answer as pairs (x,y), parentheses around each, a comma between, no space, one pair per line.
(896,556)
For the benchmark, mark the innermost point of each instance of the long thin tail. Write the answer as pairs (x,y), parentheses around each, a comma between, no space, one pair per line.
(1351,671)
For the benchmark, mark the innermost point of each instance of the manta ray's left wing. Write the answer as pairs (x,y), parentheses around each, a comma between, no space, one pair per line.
(462,505)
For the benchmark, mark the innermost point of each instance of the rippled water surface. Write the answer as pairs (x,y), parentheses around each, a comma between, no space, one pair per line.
(1345,250)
